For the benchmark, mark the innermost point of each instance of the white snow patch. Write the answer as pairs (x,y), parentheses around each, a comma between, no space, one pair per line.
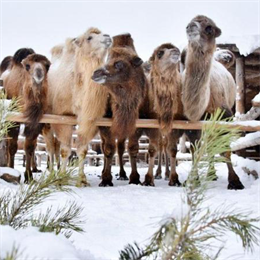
(257,98)
(116,216)
(10,171)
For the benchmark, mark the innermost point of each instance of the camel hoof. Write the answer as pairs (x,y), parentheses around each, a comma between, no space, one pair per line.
(122,178)
(135,181)
(235,185)
(175,183)
(158,176)
(148,183)
(105,183)
(82,183)
(36,170)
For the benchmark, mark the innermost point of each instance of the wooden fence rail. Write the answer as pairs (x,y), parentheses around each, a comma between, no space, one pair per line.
(250,126)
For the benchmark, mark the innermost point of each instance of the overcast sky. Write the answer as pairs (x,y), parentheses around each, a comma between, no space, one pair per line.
(43,24)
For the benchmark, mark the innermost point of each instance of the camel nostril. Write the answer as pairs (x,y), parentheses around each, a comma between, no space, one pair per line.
(106,35)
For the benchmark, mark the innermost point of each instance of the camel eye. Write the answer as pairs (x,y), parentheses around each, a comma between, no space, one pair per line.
(209,29)
(89,38)
(27,67)
(119,65)
(160,54)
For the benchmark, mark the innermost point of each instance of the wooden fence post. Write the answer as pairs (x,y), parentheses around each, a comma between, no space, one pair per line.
(240,81)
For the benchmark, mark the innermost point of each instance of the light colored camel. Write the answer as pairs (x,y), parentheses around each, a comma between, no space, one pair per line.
(72,92)
(207,85)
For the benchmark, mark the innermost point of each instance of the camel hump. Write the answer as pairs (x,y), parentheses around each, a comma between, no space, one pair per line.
(123,40)
(22,54)
(6,64)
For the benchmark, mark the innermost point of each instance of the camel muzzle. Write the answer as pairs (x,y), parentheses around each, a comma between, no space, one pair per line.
(100,76)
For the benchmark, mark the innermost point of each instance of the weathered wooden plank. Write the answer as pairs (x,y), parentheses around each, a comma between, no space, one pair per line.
(249,126)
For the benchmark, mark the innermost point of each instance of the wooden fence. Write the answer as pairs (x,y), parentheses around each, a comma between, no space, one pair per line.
(249,126)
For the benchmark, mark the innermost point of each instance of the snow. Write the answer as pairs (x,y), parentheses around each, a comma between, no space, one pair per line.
(243,142)
(116,216)
(245,43)
(257,98)
(10,171)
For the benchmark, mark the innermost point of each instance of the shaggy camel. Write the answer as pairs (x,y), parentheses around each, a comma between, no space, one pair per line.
(225,57)
(124,67)
(207,85)
(124,78)
(71,92)
(166,84)
(13,79)
(31,70)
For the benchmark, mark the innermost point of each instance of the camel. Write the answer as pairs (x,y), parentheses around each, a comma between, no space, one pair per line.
(166,84)
(13,79)
(124,79)
(207,85)
(27,80)
(225,57)
(71,92)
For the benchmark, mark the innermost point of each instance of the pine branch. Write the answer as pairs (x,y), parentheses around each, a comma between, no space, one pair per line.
(189,238)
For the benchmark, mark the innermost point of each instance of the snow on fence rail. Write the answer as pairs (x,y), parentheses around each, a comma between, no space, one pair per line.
(250,126)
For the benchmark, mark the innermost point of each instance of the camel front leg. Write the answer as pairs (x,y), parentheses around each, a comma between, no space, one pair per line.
(13,134)
(64,136)
(108,147)
(120,152)
(154,136)
(133,148)
(29,147)
(172,147)
(158,174)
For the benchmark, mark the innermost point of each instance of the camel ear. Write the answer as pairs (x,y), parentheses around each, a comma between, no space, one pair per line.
(77,42)
(136,62)
(217,32)
(47,65)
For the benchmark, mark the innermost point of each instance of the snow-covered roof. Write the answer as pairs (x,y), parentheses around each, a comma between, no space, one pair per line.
(246,44)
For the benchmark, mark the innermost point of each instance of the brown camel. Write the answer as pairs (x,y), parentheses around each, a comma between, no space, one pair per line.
(29,76)
(166,84)
(124,78)
(207,85)
(72,92)
(127,84)
(13,79)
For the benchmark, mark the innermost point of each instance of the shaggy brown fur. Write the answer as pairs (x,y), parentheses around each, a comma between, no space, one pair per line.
(6,64)
(33,94)
(124,78)
(207,85)
(166,84)
(13,83)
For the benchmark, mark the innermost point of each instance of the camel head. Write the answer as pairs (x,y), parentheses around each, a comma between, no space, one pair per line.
(119,68)
(93,43)
(37,67)
(225,57)
(202,31)
(165,57)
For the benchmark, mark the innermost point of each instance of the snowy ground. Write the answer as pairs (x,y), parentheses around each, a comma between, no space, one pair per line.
(116,216)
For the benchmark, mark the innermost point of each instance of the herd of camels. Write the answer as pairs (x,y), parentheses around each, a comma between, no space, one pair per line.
(94,76)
